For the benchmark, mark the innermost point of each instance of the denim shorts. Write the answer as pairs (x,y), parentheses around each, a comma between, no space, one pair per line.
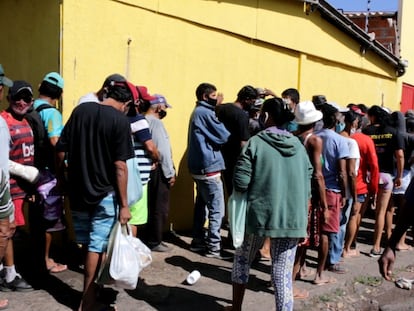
(404,183)
(93,229)
(361,198)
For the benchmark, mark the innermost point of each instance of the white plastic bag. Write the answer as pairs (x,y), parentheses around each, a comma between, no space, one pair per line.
(126,257)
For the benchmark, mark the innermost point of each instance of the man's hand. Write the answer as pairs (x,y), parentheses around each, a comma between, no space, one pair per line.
(398,182)
(171,182)
(326,215)
(386,263)
(124,215)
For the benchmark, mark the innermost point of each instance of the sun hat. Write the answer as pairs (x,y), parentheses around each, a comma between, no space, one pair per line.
(306,113)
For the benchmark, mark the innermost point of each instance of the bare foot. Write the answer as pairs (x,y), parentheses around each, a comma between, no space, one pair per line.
(324,280)
(351,253)
(300,294)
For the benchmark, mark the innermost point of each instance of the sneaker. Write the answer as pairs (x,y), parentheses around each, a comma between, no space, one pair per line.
(18,284)
(161,248)
(219,255)
(375,254)
(197,247)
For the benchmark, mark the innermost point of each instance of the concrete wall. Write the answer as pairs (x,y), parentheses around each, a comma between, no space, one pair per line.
(175,45)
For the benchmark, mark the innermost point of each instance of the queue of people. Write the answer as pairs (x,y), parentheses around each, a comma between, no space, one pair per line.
(308,170)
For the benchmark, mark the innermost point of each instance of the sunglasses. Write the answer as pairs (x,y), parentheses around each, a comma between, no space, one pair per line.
(26,98)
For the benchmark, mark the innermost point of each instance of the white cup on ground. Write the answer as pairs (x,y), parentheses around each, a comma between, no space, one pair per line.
(193,277)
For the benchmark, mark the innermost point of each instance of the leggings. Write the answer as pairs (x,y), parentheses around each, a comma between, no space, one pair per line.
(283,252)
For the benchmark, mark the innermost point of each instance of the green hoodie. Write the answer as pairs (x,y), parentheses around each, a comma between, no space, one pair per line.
(275,171)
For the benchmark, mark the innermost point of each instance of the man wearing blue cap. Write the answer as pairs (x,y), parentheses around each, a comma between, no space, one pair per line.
(46,135)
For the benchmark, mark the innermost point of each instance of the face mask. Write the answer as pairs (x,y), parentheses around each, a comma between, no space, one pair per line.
(162,114)
(212,101)
(353,131)
(339,127)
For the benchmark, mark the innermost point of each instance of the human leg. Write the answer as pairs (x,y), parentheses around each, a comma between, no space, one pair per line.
(283,252)
(4,238)
(383,198)
(199,218)
(351,230)
(243,258)
(158,207)
(381,208)
(337,239)
(100,225)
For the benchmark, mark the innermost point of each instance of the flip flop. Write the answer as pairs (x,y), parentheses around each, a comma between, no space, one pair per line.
(4,304)
(57,268)
(329,280)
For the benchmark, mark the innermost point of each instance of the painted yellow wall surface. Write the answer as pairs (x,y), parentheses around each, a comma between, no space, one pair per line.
(172,46)
(407,42)
(29,39)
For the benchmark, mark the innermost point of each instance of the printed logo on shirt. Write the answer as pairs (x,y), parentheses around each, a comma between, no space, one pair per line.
(28,150)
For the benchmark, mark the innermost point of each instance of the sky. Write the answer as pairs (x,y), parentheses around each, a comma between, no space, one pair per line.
(361,5)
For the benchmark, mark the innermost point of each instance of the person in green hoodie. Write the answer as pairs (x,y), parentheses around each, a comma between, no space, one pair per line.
(275,171)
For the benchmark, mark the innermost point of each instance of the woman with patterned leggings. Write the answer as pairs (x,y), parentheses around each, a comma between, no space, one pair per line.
(274,169)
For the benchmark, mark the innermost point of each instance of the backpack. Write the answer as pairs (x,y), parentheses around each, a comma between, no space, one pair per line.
(43,151)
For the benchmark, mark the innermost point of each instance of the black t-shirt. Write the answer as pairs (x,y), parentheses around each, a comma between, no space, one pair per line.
(94,137)
(236,121)
(387,140)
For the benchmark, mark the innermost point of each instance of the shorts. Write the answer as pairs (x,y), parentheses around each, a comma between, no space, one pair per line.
(18,212)
(333,200)
(404,183)
(139,210)
(93,229)
(361,198)
(385,181)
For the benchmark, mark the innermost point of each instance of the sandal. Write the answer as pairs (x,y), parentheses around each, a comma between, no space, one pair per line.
(55,267)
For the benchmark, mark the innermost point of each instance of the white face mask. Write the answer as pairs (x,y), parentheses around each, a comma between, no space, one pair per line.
(353,131)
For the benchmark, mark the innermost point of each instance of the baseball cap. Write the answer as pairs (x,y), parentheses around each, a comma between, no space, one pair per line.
(3,79)
(116,77)
(55,79)
(20,86)
(143,93)
(160,99)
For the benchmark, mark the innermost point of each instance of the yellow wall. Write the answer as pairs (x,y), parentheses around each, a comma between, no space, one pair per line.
(29,39)
(175,45)
(407,43)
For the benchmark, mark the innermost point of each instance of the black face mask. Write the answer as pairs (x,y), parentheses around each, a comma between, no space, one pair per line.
(212,101)
(162,114)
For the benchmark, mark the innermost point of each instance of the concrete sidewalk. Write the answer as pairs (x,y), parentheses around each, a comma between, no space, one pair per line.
(162,285)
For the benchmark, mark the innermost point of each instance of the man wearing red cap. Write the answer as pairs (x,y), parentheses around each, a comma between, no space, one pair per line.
(97,139)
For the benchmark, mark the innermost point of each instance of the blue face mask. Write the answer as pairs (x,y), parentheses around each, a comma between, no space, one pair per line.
(339,127)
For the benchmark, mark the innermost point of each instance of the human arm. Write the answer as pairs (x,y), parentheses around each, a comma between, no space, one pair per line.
(152,151)
(121,172)
(316,145)
(243,170)
(399,158)
(342,178)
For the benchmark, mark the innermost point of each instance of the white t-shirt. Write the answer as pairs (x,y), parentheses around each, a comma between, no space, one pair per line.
(353,154)
(87,98)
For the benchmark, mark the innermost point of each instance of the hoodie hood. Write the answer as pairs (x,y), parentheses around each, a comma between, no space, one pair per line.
(287,145)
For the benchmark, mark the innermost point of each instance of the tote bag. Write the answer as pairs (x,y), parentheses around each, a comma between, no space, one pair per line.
(236,208)
(134,188)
